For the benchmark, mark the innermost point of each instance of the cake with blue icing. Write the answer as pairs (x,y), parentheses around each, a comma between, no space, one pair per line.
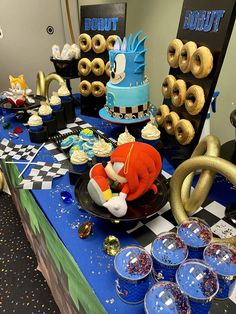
(127,95)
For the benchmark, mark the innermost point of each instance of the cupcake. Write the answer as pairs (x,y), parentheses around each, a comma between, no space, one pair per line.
(67,142)
(79,160)
(86,134)
(150,134)
(125,137)
(73,148)
(88,145)
(55,102)
(102,150)
(63,92)
(45,111)
(35,122)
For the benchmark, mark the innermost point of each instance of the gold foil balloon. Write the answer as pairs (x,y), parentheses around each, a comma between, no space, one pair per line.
(111,245)
(214,164)
(43,82)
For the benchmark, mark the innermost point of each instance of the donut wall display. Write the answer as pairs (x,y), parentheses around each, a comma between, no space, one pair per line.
(100,27)
(195,58)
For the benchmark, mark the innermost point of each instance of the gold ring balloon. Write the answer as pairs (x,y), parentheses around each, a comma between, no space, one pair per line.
(181,180)
(43,82)
(1,180)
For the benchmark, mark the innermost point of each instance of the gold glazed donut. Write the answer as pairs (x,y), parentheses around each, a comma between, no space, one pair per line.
(201,62)
(162,112)
(108,69)
(111,40)
(170,122)
(178,93)
(184,131)
(85,42)
(186,53)
(85,88)
(167,86)
(208,146)
(195,99)
(98,66)
(214,164)
(99,43)
(98,89)
(84,66)
(173,52)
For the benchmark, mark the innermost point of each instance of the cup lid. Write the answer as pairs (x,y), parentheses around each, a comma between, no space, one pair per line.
(222,258)
(166,297)
(169,249)
(195,232)
(133,263)
(197,279)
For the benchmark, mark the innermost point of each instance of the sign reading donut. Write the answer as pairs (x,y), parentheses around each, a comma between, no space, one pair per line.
(100,26)
(195,58)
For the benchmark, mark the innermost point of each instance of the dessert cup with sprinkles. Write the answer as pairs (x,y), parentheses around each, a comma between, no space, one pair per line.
(133,266)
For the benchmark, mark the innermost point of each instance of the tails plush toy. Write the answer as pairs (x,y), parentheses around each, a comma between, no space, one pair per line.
(132,170)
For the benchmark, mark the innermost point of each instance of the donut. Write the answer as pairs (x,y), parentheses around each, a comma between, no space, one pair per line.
(111,41)
(184,131)
(167,85)
(108,69)
(85,88)
(173,52)
(185,56)
(98,66)
(85,43)
(98,89)
(162,112)
(170,122)
(195,99)
(201,62)
(84,66)
(178,93)
(99,43)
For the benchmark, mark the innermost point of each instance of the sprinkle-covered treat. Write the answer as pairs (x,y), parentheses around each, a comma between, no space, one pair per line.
(67,142)
(86,134)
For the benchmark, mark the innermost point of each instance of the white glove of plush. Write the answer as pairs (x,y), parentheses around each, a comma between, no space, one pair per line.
(117,205)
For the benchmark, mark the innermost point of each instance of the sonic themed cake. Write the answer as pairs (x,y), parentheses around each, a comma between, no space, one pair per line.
(128,90)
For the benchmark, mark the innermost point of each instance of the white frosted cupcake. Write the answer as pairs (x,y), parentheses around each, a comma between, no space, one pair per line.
(55,102)
(150,133)
(63,92)
(79,160)
(125,137)
(35,122)
(102,150)
(45,111)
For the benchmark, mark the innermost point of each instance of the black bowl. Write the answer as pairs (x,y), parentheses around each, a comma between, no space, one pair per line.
(142,208)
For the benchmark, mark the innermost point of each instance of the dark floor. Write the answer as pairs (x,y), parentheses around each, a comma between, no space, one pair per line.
(22,288)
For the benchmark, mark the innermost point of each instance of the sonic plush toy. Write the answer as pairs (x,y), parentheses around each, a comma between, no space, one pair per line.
(131,171)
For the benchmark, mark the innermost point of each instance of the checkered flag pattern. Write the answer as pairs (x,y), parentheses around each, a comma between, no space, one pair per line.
(16,151)
(41,176)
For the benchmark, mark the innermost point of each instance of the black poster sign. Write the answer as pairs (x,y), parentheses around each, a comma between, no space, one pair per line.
(207,23)
(104,19)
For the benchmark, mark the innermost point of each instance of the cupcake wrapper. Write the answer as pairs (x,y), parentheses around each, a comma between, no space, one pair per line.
(47,118)
(150,142)
(80,168)
(56,107)
(101,159)
(65,98)
(36,128)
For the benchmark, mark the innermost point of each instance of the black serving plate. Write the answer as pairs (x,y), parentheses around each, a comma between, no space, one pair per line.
(27,106)
(142,208)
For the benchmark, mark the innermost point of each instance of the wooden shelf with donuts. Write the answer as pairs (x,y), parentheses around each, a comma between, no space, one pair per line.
(195,58)
(100,25)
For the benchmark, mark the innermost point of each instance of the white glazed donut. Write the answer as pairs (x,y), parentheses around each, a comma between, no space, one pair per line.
(195,99)
(201,62)
(173,52)
(167,86)
(178,93)
(185,56)
(184,132)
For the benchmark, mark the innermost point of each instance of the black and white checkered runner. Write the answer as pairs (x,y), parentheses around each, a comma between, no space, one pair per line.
(16,151)
(41,176)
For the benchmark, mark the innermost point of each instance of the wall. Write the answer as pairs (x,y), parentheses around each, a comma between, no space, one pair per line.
(26,46)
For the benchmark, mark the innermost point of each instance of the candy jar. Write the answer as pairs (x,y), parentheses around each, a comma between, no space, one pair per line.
(199,282)
(222,258)
(133,265)
(165,297)
(196,234)
(168,252)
